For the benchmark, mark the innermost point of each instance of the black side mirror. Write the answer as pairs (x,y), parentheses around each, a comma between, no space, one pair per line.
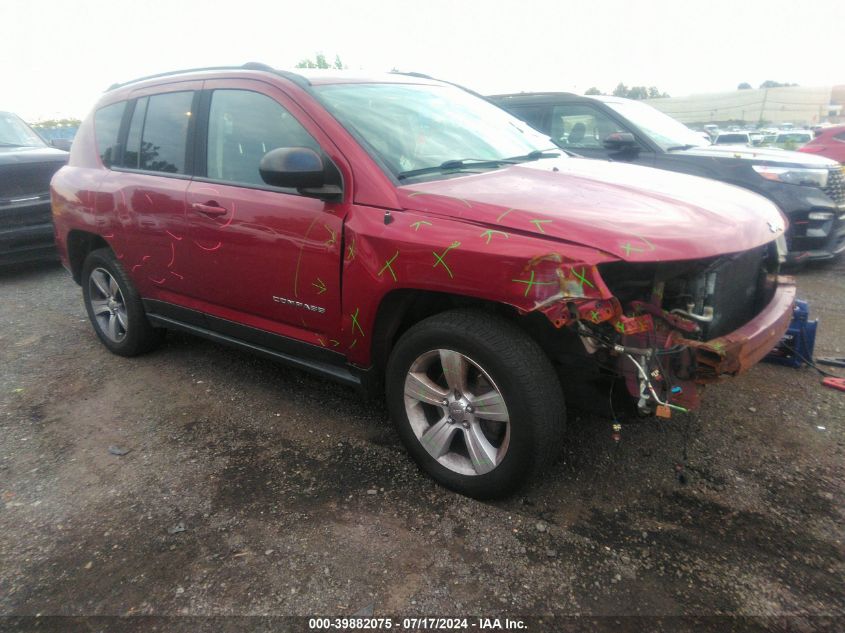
(61,143)
(295,167)
(302,169)
(620,141)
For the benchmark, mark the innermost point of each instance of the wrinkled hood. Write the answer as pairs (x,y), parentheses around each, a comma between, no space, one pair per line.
(23,155)
(760,155)
(631,212)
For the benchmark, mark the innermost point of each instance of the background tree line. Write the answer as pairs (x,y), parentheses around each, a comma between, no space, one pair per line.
(634,92)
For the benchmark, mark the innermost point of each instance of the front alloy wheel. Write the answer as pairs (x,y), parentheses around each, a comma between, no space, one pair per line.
(475,401)
(457,412)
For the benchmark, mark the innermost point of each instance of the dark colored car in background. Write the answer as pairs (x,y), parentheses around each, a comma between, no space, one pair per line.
(27,164)
(810,190)
(829,142)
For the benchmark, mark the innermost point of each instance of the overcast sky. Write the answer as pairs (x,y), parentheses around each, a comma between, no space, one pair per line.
(57,56)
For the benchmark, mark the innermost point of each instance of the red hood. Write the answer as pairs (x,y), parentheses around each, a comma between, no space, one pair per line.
(634,213)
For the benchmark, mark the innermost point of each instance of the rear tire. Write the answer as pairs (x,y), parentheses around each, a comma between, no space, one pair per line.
(114,306)
(475,401)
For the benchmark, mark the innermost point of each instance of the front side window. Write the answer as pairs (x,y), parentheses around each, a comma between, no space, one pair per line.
(164,134)
(535,116)
(409,127)
(580,126)
(242,127)
(106,129)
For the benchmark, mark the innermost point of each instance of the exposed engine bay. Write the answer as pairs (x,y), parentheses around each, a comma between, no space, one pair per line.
(666,338)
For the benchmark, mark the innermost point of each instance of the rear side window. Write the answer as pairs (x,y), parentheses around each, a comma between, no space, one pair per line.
(242,127)
(840,137)
(158,134)
(106,128)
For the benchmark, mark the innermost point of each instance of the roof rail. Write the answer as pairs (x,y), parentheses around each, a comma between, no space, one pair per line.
(443,81)
(294,77)
(545,93)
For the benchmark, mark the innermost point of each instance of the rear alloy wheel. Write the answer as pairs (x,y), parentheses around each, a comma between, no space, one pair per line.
(475,401)
(107,305)
(114,306)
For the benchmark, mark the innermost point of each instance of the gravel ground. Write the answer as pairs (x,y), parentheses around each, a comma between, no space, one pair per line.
(252,489)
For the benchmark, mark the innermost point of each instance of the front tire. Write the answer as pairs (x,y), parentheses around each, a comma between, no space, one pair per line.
(475,401)
(114,306)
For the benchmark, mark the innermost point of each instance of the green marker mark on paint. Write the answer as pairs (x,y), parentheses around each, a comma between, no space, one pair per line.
(490,232)
(530,283)
(387,266)
(499,219)
(319,285)
(583,278)
(355,323)
(539,224)
(439,259)
(420,223)
(629,249)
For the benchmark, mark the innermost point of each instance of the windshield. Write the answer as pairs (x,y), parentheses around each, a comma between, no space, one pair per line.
(731,138)
(16,133)
(409,127)
(796,137)
(659,127)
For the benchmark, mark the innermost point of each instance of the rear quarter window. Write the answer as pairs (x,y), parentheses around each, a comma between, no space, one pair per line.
(106,128)
(164,135)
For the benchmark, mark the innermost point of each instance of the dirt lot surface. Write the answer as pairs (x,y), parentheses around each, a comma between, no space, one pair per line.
(253,489)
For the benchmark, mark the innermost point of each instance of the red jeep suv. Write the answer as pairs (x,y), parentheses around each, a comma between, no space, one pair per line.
(400,233)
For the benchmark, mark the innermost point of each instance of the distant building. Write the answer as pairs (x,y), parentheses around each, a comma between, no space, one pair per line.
(798,105)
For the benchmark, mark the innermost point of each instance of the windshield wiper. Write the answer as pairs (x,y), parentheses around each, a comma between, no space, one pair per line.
(536,155)
(455,165)
(680,147)
(470,163)
(3,144)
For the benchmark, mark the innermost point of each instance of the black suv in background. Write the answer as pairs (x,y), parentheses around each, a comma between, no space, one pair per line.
(810,190)
(27,164)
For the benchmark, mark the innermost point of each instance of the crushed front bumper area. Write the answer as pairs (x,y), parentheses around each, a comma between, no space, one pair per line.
(739,350)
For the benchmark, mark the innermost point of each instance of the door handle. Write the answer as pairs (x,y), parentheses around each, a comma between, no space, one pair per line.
(210,208)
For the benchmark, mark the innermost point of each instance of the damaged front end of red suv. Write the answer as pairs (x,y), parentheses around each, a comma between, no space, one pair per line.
(669,328)
(666,293)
